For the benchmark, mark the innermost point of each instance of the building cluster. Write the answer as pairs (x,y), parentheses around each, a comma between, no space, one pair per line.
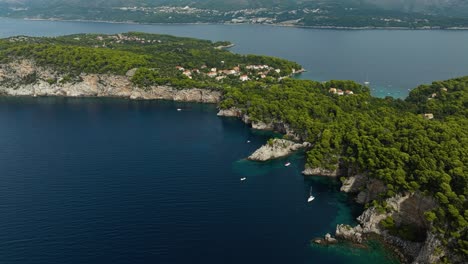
(120,38)
(336,91)
(168,10)
(18,39)
(245,74)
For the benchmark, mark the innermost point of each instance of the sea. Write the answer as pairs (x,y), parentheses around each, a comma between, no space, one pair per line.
(393,61)
(101,180)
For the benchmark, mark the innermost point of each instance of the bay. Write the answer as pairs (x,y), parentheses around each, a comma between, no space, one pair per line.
(110,180)
(120,181)
(393,61)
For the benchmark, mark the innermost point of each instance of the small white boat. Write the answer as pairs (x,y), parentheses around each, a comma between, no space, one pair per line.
(311,197)
(248,141)
(179,109)
(243,179)
(366,83)
(287,164)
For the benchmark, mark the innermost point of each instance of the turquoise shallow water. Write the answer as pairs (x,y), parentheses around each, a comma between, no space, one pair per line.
(118,181)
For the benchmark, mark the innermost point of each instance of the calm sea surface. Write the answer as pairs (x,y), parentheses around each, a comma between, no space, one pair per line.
(392,60)
(118,181)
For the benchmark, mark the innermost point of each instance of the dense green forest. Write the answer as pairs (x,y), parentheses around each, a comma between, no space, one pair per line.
(419,144)
(386,138)
(155,56)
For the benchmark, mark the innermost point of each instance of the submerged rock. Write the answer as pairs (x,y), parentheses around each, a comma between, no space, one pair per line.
(276,148)
(329,239)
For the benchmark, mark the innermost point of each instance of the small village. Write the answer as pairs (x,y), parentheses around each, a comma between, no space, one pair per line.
(244,73)
(120,39)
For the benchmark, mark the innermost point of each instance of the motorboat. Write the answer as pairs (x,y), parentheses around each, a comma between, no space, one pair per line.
(311,197)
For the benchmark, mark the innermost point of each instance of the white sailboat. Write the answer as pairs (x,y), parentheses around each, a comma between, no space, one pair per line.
(311,197)
(367,83)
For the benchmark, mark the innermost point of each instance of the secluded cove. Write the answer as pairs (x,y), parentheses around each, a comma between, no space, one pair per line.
(104,183)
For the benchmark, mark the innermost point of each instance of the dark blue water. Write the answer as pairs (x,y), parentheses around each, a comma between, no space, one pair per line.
(394,61)
(118,181)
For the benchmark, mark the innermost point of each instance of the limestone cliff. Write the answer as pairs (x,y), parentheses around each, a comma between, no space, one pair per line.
(405,209)
(321,172)
(25,78)
(232,112)
(277,126)
(367,188)
(276,148)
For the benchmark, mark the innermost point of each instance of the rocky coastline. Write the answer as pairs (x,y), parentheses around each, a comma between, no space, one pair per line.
(15,80)
(277,126)
(405,209)
(308,171)
(25,78)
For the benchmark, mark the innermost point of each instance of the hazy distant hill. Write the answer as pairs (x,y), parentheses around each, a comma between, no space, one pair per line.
(439,6)
(342,13)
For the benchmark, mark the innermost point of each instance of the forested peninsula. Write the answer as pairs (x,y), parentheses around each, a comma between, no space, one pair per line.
(405,159)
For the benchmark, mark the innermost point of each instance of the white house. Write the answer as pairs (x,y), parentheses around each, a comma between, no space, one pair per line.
(244,78)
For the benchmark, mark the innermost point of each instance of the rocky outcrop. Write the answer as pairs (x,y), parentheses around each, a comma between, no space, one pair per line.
(367,188)
(407,209)
(308,171)
(372,190)
(354,184)
(279,127)
(276,126)
(327,240)
(231,112)
(346,232)
(276,148)
(24,78)
(431,251)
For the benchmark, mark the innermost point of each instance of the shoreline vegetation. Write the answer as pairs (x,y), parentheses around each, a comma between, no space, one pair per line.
(405,160)
(240,24)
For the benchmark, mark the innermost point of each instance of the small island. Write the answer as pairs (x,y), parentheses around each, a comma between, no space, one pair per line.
(404,159)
